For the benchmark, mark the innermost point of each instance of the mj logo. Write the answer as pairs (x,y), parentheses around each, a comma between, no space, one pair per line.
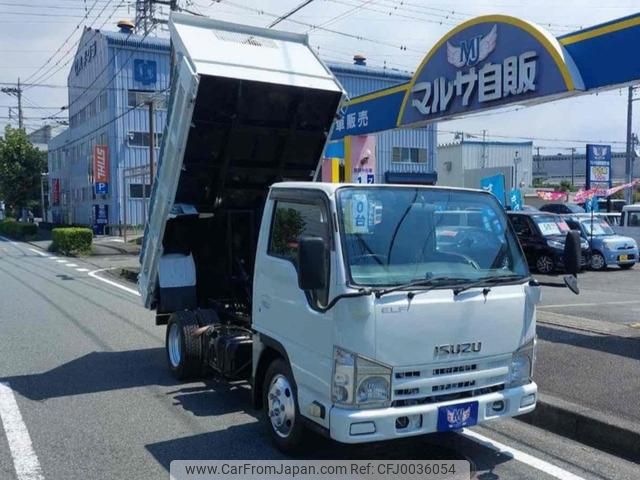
(145,71)
(471,52)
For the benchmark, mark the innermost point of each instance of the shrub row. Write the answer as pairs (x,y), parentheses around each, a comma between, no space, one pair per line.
(18,230)
(70,241)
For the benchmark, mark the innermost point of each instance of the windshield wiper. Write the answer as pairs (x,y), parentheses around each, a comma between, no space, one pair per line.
(432,282)
(488,281)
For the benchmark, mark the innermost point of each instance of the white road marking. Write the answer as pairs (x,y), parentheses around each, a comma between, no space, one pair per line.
(61,261)
(94,274)
(570,305)
(72,265)
(522,457)
(82,269)
(25,460)
(42,254)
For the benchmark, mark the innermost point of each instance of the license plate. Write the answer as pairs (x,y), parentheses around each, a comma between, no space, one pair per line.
(455,417)
(624,258)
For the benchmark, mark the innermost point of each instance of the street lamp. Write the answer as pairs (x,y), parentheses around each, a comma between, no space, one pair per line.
(516,161)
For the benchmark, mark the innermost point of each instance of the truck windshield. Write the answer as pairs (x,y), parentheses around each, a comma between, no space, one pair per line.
(599,228)
(395,235)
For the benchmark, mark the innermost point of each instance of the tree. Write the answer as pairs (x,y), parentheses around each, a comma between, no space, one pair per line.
(21,167)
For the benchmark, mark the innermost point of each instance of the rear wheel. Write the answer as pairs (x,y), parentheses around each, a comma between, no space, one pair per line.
(545,264)
(184,349)
(597,261)
(282,414)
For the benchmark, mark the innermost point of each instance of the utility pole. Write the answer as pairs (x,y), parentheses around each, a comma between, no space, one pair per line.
(152,153)
(146,14)
(16,92)
(484,148)
(628,164)
(573,164)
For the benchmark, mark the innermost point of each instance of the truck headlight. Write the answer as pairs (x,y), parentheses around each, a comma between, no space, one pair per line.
(522,363)
(359,382)
(555,244)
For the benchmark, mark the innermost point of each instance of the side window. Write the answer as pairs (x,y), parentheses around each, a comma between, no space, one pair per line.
(293,220)
(634,219)
(520,225)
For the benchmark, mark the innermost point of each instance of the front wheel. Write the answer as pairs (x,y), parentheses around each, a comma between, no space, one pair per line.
(597,261)
(545,264)
(281,408)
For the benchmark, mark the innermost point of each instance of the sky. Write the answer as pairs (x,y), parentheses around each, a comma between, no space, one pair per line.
(38,39)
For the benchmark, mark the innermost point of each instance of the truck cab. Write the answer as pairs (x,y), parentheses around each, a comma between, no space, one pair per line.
(365,313)
(629,222)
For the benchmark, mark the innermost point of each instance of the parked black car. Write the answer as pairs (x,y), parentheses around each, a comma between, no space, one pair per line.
(542,236)
(562,208)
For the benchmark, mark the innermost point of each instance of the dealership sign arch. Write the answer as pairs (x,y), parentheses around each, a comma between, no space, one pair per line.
(494,61)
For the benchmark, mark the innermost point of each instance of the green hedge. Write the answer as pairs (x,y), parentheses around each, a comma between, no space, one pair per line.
(74,240)
(18,230)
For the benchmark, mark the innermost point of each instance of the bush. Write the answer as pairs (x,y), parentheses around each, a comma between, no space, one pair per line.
(70,241)
(18,230)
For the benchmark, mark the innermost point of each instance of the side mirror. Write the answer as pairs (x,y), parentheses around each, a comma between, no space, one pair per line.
(312,273)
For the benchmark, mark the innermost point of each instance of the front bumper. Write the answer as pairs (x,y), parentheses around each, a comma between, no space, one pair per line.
(612,257)
(346,426)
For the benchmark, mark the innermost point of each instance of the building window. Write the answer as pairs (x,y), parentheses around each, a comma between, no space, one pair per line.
(135,190)
(135,98)
(409,155)
(141,139)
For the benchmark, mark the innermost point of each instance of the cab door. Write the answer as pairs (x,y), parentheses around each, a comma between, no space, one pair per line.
(286,313)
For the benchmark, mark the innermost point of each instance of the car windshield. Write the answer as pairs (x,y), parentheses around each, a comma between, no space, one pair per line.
(550,225)
(597,228)
(395,235)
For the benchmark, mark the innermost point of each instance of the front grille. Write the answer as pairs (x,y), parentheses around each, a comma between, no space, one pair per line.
(457,369)
(453,386)
(436,381)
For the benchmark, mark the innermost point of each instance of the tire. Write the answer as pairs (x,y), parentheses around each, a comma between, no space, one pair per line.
(545,264)
(280,391)
(627,266)
(598,262)
(184,350)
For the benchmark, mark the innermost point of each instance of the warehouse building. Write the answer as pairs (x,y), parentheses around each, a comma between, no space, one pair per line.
(99,166)
(103,157)
(464,163)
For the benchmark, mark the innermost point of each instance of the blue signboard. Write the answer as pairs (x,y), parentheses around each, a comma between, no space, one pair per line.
(598,166)
(102,188)
(492,61)
(515,199)
(495,185)
(145,71)
(369,113)
(100,218)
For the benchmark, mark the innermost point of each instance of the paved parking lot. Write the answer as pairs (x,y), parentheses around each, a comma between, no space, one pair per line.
(610,296)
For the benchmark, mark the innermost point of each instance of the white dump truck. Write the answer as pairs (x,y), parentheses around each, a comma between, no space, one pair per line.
(358,311)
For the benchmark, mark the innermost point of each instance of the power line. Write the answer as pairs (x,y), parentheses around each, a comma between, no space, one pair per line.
(289,13)
(66,40)
(50,73)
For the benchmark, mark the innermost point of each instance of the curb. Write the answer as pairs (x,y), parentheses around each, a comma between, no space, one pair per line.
(607,433)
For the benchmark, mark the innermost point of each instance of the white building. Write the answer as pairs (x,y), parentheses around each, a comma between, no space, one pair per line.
(463,164)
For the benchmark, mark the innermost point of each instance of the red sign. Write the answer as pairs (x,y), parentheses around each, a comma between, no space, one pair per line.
(55,191)
(551,196)
(100,164)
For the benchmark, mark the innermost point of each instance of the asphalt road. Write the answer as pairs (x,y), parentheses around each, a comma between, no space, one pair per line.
(85,394)
(612,295)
